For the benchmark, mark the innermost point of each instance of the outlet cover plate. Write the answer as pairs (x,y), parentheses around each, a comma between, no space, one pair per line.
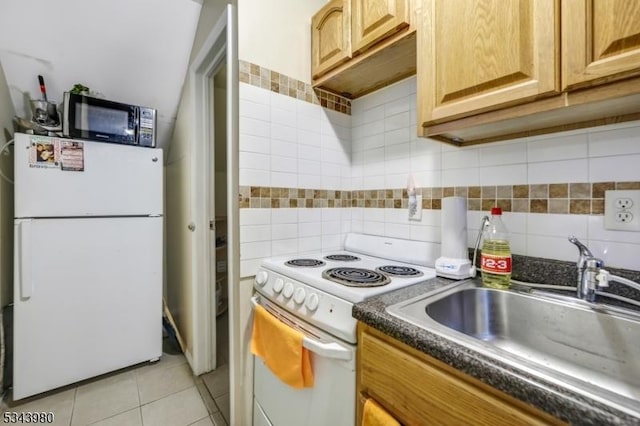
(617,218)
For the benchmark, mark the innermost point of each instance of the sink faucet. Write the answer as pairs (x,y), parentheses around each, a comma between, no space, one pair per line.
(588,269)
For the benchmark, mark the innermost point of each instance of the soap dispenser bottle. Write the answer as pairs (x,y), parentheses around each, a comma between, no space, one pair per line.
(495,258)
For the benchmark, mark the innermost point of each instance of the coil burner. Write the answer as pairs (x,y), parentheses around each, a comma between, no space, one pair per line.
(304,263)
(356,277)
(342,257)
(399,271)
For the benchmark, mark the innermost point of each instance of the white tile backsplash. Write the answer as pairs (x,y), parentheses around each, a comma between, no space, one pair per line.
(615,254)
(396,230)
(284,247)
(309,229)
(550,247)
(398,106)
(307,138)
(251,177)
(501,155)
(251,126)
(469,176)
(255,110)
(310,216)
(556,147)
(396,136)
(284,132)
(310,244)
(309,181)
(282,116)
(397,121)
(285,142)
(614,169)
(252,233)
(284,164)
(460,159)
(251,143)
(514,174)
(255,250)
(281,231)
(255,161)
(614,142)
(254,94)
(284,149)
(255,216)
(286,215)
(559,171)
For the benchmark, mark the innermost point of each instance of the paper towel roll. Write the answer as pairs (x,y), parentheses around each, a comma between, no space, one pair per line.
(454,228)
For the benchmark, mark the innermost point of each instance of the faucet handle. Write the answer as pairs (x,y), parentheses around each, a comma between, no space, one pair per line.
(584,251)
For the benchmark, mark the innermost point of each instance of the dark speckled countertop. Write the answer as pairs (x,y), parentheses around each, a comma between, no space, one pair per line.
(559,401)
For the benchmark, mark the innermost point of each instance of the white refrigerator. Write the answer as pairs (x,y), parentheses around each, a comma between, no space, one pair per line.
(88,260)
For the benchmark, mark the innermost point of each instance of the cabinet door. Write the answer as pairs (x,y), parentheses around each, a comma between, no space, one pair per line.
(374,20)
(600,41)
(424,391)
(480,55)
(330,36)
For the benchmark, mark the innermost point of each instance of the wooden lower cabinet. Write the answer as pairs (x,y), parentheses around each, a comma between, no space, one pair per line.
(417,389)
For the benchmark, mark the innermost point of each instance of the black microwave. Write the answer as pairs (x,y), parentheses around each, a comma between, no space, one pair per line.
(85,117)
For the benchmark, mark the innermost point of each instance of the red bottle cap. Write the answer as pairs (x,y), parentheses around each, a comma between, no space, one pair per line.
(496,210)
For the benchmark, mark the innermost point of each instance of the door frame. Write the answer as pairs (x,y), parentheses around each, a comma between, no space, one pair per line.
(220,45)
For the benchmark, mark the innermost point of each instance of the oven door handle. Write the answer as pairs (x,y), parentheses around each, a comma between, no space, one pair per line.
(327,350)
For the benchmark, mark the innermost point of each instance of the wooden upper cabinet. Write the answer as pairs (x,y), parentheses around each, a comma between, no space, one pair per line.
(374,20)
(330,36)
(481,55)
(600,41)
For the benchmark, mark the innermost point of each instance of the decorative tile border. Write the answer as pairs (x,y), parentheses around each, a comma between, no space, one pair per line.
(258,76)
(556,198)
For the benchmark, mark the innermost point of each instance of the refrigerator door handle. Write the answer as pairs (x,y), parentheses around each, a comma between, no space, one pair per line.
(24,259)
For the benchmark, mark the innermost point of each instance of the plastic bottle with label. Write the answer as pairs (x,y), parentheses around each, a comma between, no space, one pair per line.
(495,259)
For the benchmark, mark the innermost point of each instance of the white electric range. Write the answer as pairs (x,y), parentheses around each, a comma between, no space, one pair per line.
(315,295)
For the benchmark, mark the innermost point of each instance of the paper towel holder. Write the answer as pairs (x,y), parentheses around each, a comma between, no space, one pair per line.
(454,262)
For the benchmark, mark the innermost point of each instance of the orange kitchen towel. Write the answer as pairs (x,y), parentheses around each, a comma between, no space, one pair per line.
(374,415)
(281,348)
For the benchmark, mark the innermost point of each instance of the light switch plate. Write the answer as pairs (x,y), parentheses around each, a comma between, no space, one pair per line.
(622,210)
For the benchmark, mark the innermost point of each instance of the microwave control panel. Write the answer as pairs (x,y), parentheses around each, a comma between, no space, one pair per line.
(146,132)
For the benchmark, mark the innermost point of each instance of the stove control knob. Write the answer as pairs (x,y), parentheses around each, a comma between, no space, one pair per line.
(312,302)
(299,295)
(261,278)
(288,289)
(277,286)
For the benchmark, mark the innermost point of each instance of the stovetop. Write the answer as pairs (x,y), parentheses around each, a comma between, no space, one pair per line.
(300,287)
(311,273)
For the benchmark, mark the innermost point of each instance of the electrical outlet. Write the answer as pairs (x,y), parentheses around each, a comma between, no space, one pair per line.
(622,210)
(624,216)
(623,203)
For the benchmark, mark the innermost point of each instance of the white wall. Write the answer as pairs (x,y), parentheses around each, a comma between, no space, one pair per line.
(276,34)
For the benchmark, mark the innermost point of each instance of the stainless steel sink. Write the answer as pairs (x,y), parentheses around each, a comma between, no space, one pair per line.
(593,349)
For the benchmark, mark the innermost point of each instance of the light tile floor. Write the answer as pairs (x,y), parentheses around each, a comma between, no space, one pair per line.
(164,393)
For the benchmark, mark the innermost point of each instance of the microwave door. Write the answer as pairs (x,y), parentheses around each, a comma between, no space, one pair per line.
(99,119)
